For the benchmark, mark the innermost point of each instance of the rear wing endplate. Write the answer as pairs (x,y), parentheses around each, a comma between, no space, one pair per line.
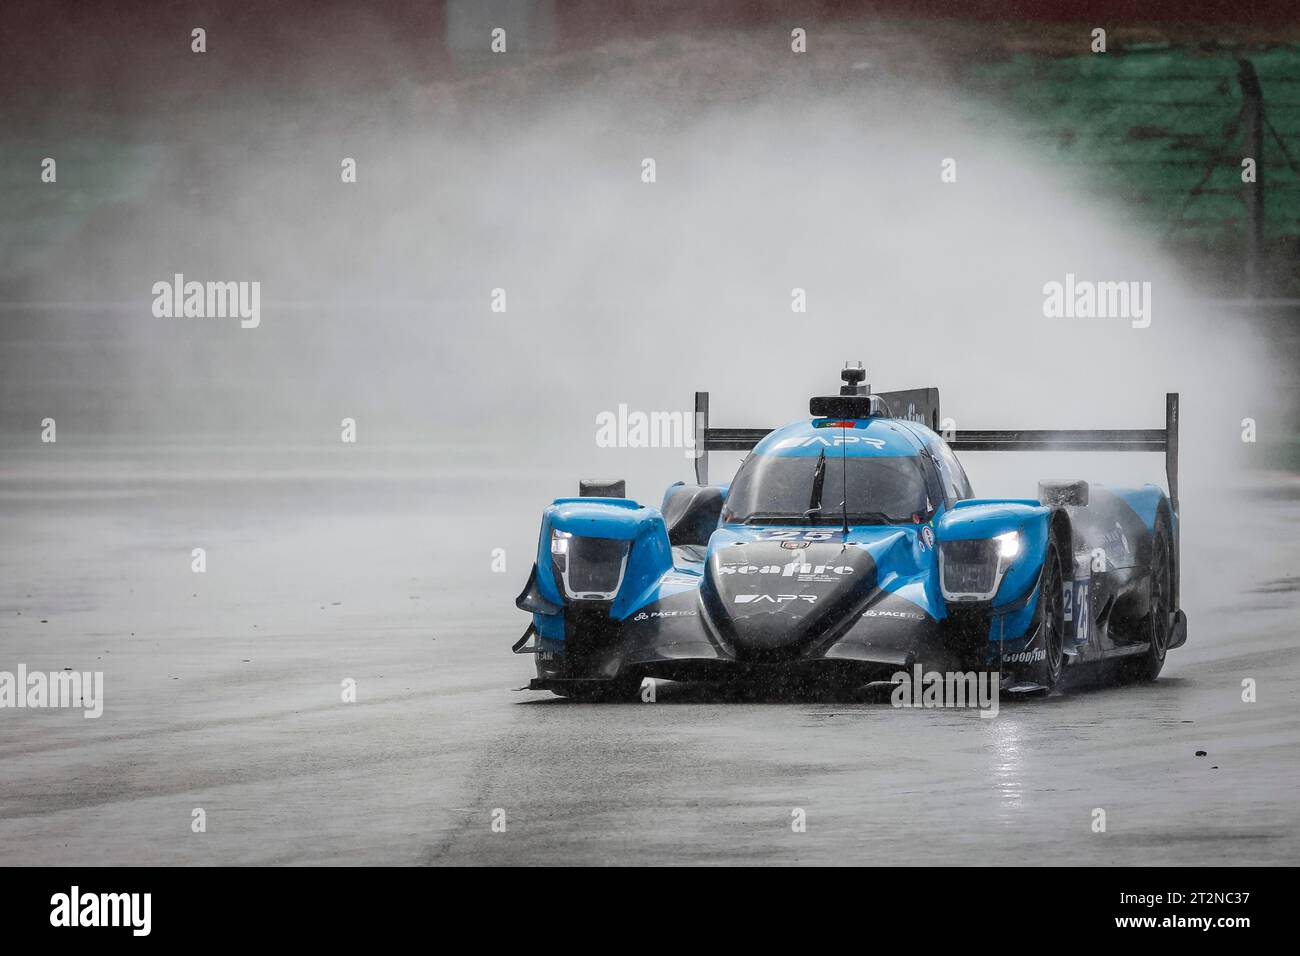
(1165,439)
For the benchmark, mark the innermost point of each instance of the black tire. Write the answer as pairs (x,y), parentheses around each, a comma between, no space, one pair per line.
(1050,620)
(1160,618)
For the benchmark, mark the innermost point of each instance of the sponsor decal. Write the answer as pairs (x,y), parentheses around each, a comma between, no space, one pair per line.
(774,599)
(835,442)
(840,423)
(650,615)
(801,573)
(899,615)
(786,570)
(1025,657)
(913,414)
(927,538)
(1117,538)
(794,545)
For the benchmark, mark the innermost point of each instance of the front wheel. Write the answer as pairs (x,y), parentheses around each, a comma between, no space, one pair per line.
(1051,622)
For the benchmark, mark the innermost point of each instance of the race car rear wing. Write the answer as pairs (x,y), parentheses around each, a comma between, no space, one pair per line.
(922,405)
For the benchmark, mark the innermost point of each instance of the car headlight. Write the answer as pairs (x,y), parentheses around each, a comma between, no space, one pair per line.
(973,570)
(1008,544)
(588,569)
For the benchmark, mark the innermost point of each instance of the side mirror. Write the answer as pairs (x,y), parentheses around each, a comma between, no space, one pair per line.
(1063,492)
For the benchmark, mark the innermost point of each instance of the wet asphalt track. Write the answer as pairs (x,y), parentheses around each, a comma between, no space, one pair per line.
(223,693)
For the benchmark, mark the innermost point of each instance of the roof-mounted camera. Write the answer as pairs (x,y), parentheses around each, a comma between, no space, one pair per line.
(853,380)
(854,400)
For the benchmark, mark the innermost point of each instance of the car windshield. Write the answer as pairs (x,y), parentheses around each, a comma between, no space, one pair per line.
(808,490)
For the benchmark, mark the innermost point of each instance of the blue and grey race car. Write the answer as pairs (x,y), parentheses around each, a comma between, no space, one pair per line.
(850,546)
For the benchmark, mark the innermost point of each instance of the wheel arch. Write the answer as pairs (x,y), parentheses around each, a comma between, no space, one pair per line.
(1061,531)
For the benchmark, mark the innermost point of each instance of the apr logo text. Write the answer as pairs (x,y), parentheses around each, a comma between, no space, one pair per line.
(833,442)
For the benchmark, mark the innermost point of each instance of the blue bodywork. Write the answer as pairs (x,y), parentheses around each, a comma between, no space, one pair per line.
(621,519)
(673,606)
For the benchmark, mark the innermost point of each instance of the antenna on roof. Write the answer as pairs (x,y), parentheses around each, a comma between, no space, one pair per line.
(853,385)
